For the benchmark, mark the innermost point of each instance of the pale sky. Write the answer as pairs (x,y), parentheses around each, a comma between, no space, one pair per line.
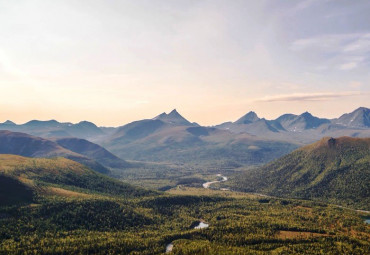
(113,62)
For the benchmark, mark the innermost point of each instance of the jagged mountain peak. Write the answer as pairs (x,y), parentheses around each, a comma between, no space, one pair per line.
(359,118)
(248,118)
(174,117)
(306,114)
(163,114)
(174,111)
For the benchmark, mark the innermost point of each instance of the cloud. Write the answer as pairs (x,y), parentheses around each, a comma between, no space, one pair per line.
(332,42)
(308,96)
(340,51)
(348,66)
(360,44)
(346,43)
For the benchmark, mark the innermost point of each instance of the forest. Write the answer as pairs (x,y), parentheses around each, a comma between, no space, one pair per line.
(146,224)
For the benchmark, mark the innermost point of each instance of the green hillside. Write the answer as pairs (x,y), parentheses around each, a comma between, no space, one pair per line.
(32,146)
(57,206)
(13,191)
(330,170)
(57,176)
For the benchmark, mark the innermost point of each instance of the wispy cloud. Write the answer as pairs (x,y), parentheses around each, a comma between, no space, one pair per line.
(308,96)
(348,66)
(360,44)
(333,42)
(341,51)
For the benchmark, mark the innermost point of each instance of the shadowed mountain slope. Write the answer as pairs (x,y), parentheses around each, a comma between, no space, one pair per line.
(31,146)
(27,177)
(93,151)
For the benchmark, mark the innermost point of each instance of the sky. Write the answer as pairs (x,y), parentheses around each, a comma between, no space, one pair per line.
(113,62)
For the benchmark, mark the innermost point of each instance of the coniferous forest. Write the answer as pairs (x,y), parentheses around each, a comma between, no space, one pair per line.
(70,212)
(185,127)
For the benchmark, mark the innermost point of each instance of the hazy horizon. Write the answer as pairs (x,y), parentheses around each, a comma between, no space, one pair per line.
(167,112)
(120,61)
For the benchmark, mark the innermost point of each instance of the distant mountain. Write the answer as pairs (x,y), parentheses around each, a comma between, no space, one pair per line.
(143,128)
(301,122)
(108,130)
(8,123)
(170,137)
(84,129)
(359,118)
(173,118)
(42,124)
(335,170)
(136,130)
(31,146)
(250,117)
(251,123)
(156,140)
(93,151)
(23,178)
(304,128)
(53,128)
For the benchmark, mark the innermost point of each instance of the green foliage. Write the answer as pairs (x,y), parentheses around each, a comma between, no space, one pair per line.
(147,225)
(65,173)
(109,217)
(331,170)
(13,191)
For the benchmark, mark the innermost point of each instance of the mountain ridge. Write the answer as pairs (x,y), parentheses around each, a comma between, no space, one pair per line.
(31,146)
(335,170)
(174,117)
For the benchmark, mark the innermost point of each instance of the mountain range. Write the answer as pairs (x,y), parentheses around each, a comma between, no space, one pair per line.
(171,137)
(303,126)
(53,128)
(54,200)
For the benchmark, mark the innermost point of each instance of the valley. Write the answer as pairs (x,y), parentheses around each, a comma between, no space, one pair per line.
(171,186)
(187,127)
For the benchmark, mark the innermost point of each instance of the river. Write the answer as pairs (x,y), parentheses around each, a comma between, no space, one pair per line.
(207,184)
(169,247)
(201,225)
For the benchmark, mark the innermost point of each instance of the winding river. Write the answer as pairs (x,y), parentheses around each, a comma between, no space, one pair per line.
(207,184)
(201,225)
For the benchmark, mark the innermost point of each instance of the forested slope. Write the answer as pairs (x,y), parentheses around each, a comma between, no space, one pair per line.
(331,170)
